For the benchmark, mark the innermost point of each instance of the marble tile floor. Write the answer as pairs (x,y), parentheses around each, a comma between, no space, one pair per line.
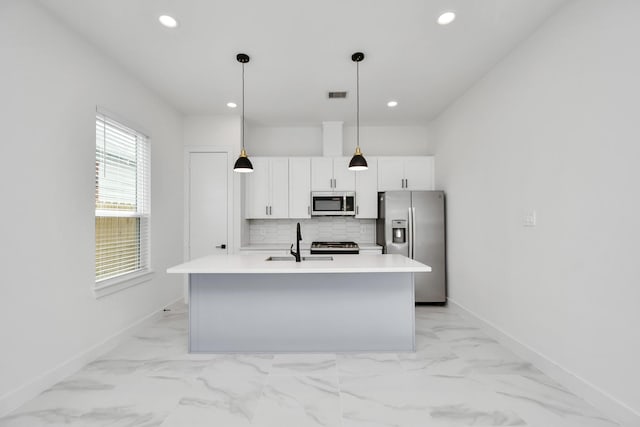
(457,377)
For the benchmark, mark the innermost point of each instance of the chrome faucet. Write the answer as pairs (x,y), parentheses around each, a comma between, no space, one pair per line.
(298,238)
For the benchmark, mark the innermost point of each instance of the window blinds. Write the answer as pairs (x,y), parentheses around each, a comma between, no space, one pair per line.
(122,199)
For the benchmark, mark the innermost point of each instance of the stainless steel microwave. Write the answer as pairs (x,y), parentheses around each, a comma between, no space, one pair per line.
(333,203)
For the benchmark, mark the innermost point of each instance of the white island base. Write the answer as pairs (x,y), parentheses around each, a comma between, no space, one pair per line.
(302,308)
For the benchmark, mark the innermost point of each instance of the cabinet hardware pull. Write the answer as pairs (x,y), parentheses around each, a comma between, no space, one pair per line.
(406,181)
(357,210)
(222,246)
(266,210)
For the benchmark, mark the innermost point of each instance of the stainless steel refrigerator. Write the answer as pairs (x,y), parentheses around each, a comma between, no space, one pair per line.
(412,223)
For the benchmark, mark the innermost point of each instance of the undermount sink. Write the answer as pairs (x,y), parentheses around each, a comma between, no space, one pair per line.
(304,258)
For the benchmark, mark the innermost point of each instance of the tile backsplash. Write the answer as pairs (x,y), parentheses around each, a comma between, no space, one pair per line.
(314,229)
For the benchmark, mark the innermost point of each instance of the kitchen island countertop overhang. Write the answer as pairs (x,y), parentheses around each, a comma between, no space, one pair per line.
(258,264)
(353,303)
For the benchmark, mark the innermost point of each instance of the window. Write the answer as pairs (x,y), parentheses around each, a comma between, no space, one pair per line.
(122,202)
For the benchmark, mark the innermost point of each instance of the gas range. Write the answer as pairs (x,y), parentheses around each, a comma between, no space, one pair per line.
(335,248)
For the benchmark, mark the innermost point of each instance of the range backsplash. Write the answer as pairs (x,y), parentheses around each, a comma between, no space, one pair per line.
(315,229)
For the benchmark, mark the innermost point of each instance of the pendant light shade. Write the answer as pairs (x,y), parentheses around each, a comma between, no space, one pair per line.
(243,164)
(358,162)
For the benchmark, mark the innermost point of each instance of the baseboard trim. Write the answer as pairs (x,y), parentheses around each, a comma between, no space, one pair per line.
(599,398)
(14,399)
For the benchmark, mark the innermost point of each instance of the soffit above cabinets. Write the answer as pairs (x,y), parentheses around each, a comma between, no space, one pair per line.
(302,50)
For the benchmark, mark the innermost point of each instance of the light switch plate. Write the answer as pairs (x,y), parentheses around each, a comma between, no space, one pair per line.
(529,219)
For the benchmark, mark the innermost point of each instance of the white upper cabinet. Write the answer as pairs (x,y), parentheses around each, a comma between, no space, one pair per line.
(405,173)
(279,207)
(344,179)
(418,173)
(257,189)
(367,190)
(390,173)
(267,188)
(281,187)
(299,187)
(322,174)
(332,174)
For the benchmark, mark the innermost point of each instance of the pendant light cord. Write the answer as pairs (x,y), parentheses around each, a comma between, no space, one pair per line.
(358,104)
(242,136)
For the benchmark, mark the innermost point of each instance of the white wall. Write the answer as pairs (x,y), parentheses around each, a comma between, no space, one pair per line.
(389,141)
(307,140)
(51,83)
(286,141)
(207,130)
(554,128)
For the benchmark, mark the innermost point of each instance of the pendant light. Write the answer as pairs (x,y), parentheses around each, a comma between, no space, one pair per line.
(358,162)
(243,164)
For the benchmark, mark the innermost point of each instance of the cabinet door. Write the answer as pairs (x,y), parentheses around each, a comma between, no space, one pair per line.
(299,187)
(418,173)
(279,188)
(344,179)
(257,189)
(321,174)
(367,190)
(377,251)
(390,173)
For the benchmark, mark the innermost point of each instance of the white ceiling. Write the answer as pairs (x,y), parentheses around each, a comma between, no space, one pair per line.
(301,49)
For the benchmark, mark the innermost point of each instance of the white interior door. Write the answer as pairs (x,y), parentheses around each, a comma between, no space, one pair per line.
(208,229)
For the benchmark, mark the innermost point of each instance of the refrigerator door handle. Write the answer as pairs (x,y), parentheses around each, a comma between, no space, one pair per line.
(411,234)
(413,219)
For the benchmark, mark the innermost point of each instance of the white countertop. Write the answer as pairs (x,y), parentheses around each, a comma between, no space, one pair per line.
(257,264)
(303,246)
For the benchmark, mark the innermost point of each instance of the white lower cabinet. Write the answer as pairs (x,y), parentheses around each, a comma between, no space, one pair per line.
(371,251)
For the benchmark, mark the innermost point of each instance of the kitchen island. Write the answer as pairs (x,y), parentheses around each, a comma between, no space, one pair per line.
(351,303)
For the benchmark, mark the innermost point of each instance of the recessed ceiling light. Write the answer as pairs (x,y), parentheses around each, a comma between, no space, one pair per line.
(446,18)
(232,104)
(392,104)
(168,21)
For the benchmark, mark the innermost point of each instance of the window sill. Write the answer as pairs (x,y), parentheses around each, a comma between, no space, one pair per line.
(110,286)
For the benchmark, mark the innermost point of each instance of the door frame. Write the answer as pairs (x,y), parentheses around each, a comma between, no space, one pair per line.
(188,150)
(232,202)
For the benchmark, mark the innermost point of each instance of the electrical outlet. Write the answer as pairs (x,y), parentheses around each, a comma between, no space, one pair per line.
(529,219)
